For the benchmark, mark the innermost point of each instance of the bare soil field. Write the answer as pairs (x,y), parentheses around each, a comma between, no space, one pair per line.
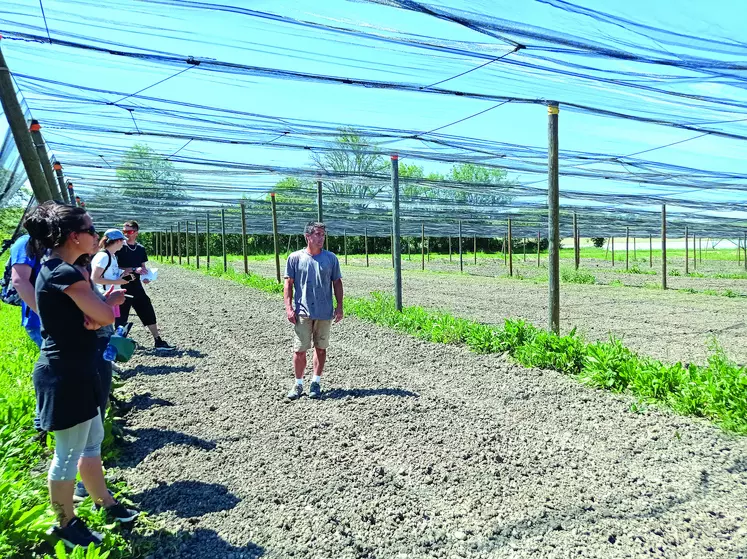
(669,325)
(416,449)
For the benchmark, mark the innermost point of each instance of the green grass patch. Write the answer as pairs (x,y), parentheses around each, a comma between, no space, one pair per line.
(716,391)
(251,280)
(570,275)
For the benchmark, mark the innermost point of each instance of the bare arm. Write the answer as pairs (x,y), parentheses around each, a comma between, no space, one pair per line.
(92,306)
(288,298)
(337,288)
(21,279)
(98,277)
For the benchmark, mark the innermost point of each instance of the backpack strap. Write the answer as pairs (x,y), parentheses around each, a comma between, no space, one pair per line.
(108,264)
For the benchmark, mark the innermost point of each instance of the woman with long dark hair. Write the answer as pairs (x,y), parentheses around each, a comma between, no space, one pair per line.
(66,381)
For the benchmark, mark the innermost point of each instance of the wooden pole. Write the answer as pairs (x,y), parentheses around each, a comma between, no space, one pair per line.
(41,150)
(524,242)
(539,240)
(744,246)
(207,238)
(553,205)
(695,255)
(606,252)
(391,245)
(171,243)
(19,129)
(739,251)
(179,240)
(396,247)
(449,249)
(474,247)
(650,251)
(627,248)
(510,251)
(57,167)
(243,237)
(223,234)
(186,239)
(345,244)
(197,244)
(663,246)
(365,243)
(275,236)
(635,254)
(687,250)
(700,248)
(422,246)
(613,250)
(461,256)
(575,241)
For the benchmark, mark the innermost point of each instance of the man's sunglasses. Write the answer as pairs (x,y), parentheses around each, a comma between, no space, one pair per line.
(90,230)
(129,231)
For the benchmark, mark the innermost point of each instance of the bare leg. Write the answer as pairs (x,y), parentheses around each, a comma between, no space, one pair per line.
(154,330)
(320,358)
(92,474)
(61,496)
(299,363)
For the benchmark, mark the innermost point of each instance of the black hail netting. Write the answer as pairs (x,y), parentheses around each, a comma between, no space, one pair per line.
(167,111)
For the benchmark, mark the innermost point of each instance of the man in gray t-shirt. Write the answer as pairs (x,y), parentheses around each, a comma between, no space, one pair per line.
(311,275)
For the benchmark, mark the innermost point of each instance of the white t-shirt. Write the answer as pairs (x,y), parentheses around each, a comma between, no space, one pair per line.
(112,273)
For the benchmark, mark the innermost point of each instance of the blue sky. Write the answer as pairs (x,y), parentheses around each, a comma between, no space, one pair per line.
(261,42)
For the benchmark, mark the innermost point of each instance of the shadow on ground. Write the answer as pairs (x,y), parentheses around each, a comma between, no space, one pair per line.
(186,498)
(339,393)
(149,440)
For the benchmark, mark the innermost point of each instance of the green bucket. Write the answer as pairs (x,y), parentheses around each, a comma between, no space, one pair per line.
(125,348)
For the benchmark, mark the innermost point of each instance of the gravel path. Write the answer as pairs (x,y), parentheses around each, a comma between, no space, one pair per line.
(668,325)
(417,450)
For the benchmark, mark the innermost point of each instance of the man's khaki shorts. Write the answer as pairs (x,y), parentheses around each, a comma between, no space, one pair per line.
(308,330)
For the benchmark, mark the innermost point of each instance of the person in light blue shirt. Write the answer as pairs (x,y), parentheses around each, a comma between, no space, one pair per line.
(311,275)
(24,270)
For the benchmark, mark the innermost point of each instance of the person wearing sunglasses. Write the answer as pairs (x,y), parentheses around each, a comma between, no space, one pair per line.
(66,379)
(132,258)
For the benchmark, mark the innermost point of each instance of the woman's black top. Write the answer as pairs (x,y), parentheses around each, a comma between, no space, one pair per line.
(65,376)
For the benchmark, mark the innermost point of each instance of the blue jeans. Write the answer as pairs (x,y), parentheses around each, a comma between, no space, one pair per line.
(35,334)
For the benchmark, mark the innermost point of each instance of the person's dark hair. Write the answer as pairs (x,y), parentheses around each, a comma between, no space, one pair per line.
(132,223)
(84,261)
(50,224)
(311,225)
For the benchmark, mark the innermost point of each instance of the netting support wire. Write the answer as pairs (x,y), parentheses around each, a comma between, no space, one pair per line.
(553,215)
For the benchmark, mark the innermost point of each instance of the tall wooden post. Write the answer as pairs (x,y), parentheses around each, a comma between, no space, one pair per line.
(186,239)
(365,243)
(461,256)
(510,250)
(345,244)
(223,235)
(449,248)
(539,240)
(553,206)
(391,245)
(687,250)
(627,248)
(179,240)
(578,245)
(739,251)
(275,236)
(57,168)
(243,237)
(663,246)
(650,251)
(396,247)
(700,248)
(695,255)
(524,242)
(197,244)
(575,242)
(171,243)
(207,238)
(474,247)
(613,250)
(24,143)
(422,246)
(41,150)
(744,246)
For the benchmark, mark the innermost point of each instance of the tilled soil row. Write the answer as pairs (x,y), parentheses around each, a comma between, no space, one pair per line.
(416,449)
(667,325)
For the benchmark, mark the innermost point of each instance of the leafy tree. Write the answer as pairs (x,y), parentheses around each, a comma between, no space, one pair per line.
(355,155)
(145,174)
